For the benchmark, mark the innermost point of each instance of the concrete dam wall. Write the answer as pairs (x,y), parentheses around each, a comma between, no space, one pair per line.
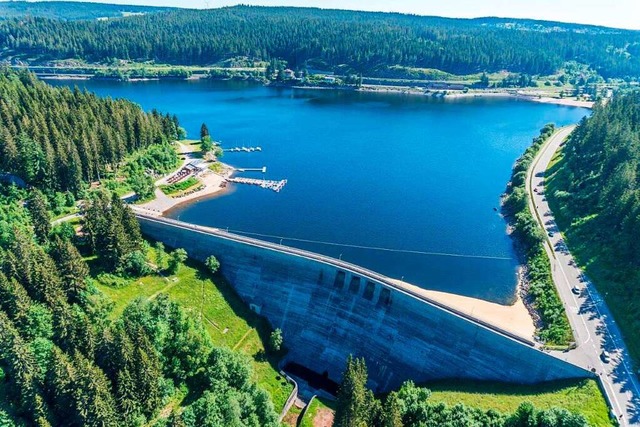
(328,309)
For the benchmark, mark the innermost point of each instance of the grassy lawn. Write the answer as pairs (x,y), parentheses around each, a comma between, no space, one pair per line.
(228,320)
(180,187)
(193,146)
(217,167)
(317,407)
(579,396)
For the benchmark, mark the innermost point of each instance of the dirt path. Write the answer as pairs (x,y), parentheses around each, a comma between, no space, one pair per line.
(246,334)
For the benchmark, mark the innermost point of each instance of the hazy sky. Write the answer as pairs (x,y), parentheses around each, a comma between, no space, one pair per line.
(613,13)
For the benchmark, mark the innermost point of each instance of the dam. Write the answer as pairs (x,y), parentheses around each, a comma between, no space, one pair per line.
(328,309)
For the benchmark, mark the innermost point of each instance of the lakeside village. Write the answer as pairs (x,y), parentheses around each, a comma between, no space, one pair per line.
(574,82)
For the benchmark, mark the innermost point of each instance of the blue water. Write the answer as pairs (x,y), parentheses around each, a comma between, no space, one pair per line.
(375,170)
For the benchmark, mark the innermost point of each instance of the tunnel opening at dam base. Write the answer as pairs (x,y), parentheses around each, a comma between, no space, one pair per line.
(313,379)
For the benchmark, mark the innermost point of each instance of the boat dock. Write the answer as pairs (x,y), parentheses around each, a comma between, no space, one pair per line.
(262,169)
(270,185)
(243,149)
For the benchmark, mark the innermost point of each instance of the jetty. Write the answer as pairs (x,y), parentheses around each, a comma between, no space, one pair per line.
(267,184)
(262,169)
(243,149)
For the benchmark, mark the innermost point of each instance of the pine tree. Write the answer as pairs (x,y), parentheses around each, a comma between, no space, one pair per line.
(354,400)
(93,400)
(204,132)
(391,414)
(15,301)
(40,218)
(23,369)
(73,270)
(61,385)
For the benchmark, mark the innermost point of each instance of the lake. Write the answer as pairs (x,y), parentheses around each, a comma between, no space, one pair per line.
(406,185)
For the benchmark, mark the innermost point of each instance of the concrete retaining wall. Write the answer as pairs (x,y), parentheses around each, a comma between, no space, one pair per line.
(327,312)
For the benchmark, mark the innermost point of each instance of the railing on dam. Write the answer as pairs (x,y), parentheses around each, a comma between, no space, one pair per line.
(352,268)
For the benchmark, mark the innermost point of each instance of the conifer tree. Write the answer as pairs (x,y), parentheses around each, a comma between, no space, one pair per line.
(24,372)
(73,270)
(391,413)
(354,400)
(204,132)
(93,400)
(40,218)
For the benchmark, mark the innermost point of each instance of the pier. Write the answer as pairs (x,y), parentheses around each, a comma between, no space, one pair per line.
(270,185)
(243,149)
(262,169)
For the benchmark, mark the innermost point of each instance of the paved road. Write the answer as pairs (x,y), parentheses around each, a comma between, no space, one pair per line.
(593,326)
(66,218)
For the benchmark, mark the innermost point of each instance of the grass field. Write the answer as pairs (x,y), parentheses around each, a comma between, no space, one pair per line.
(180,187)
(579,396)
(228,320)
(317,407)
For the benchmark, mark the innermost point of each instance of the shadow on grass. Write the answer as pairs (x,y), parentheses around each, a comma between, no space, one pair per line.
(498,388)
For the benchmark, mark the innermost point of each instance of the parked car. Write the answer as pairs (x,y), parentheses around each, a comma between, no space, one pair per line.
(605,356)
(575,290)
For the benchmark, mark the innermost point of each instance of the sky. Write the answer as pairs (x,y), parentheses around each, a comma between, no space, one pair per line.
(611,13)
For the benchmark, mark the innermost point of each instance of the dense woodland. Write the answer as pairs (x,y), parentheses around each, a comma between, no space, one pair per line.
(64,358)
(59,139)
(361,42)
(71,10)
(595,192)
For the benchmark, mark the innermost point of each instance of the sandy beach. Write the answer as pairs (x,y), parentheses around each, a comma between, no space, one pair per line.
(212,184)
(513,318)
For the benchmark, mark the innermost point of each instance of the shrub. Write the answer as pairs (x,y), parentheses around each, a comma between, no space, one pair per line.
(276,340)
(212,264)
(176,258)
(135,264)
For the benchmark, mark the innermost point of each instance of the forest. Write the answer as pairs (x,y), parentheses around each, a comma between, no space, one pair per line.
(65,359)
(60,139)
(351,42)
(71,11)
(594,190)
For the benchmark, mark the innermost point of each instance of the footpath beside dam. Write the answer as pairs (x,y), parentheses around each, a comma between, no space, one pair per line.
(328,309)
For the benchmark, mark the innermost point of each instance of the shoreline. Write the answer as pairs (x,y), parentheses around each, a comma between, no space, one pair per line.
(213,185)
(201,195)
(445,94)
(532,97)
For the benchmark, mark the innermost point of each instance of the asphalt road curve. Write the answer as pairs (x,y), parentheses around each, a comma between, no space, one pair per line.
(594,327)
